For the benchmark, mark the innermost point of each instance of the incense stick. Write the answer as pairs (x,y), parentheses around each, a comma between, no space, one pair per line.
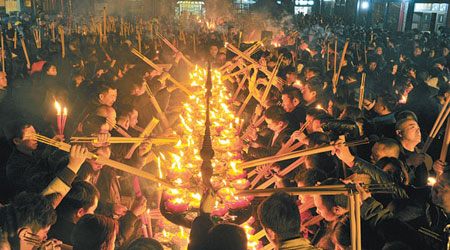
(295,154)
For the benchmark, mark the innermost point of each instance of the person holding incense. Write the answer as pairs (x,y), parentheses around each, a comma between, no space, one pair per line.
(277,122)
(23,156)
(280,218)
(296,113)
(82,199)
(409,136)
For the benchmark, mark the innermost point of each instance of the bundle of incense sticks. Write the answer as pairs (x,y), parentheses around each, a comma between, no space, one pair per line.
(155,103)
(437,125)
(272,77)
(252,61)
(115,164)
(156,67)
(154,140)
(172,47)
(382,188)
(296,154)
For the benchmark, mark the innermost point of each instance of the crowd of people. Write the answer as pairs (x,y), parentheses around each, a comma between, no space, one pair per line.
(334,82)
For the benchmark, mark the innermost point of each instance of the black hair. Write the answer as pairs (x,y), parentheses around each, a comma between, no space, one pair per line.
(92,124)
(310,177)
(330,201)
(15,129)
(317,139)
(34,211)
(322,161)
(227,236)
(388,101)
(145,244)
(124,110)
(81,195)
(276,113)
(93,231)
(406,114)
(280,213)
(399,172)
(292,92)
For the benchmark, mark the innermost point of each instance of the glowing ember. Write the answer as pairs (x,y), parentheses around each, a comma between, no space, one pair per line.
(403,100)
(431,181)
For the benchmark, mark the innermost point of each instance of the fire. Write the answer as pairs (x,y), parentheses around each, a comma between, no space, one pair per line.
(404,99)
(183,165)
(431,181)
(58,108)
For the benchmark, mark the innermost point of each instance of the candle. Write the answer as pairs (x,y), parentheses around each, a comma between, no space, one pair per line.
(58,116)
(64,118)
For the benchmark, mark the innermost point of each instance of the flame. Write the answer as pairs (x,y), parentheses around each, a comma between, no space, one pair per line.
(404,99)
(65,111)
(58,107)
(431,181)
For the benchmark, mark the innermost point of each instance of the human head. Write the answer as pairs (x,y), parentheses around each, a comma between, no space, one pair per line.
(104,152)
(307,178)
(18,134)
(33,214)
(321,161)
(213,50)
(49,69)
(106,94)
(276,118)
(109,113)
(145,244)
(385,104)
(3,80)
(385,147)
(406,114)
(331,207)
(408,131)
(312,89)
(94,125)
(318,117)
(280,218)
(317,139)
(94,232)
(291,97)
(127,116)
(82,199)
(440,194)
(227,236)
(396,168)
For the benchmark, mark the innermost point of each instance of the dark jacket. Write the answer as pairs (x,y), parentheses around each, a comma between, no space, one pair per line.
(390,228)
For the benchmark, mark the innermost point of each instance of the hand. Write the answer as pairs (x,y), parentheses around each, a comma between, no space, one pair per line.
(59,138)
(103,138)
(259,110)
(142,153)
(52,244)
(139,205)
(364,194)
(119,210)
(439,167)
(415,159)
(78,155)
(208,202)
(343,152)
(163,77)
(155,73)
(297,135)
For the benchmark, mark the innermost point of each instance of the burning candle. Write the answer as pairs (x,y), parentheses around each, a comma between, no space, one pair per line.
(58,117)
(64,118)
